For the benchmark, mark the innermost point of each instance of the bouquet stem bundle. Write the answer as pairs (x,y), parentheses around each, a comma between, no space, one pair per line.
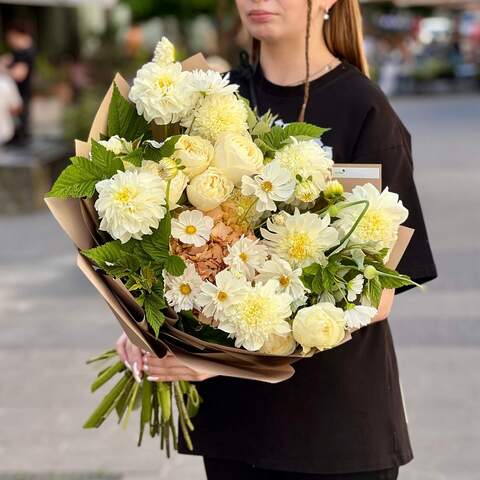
(155,400)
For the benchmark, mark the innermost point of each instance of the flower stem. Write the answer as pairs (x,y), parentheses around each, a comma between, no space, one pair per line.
(357,221)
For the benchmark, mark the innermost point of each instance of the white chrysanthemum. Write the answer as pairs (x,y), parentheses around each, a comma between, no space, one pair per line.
(117,145)
(305,159)
(130,204)
(380,223)
(358,316)
(210,82)
(288,279)
(302,240)
(274,184)
(164,53)
(261,312)
(354,287)
(192,227)
(160,93)
(181,292)
(307,191)
(216,298)
(217,114)
(246,256)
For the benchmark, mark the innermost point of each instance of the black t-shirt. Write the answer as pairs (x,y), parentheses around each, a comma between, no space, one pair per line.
(26,56)
(342,411)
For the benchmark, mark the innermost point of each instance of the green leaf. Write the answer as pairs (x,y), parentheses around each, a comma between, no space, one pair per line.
(166,150)
(134,157)
(78,180)
(157,245)
(374,291)
(305,130)
(189,324)
(174,265)
(105,254)
(123,119)
(106,160)
(153,305)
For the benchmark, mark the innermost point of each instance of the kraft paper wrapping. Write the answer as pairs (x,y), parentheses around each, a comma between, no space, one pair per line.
(79,220)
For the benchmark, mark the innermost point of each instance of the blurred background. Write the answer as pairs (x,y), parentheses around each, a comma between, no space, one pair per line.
(57,58)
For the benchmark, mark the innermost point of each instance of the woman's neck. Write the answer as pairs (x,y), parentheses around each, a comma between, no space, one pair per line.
(283,63)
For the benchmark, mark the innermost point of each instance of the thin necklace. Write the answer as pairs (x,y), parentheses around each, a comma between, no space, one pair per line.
(325,69)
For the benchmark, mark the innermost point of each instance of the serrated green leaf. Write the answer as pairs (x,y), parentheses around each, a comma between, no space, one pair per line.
(123,119)
(108,253)
(305,130)
(153,305)
(166,150)
(157,245)
(134,157)
(174,265)
(374,291)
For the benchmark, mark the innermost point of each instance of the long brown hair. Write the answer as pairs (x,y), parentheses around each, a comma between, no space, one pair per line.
(343,35)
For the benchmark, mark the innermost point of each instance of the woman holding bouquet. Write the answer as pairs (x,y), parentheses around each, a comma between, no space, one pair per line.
(341,415)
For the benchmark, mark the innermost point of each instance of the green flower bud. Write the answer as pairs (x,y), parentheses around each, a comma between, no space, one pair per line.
(333,189)
(370,272)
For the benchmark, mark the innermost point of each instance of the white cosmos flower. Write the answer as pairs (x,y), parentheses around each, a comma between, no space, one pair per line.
(288,279)
(306,159)
(209,82)
(246,256)
(192,227)
(215,298)
(181,292)
(274,184)
(130,204)
(164,53)
(354,287)
(359,316)
(160,93)
(261,312)
(302,240)
(380,223)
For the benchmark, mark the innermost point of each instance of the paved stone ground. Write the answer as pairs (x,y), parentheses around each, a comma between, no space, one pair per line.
(48,311)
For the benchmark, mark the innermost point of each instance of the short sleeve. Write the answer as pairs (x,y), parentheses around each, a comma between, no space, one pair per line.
(385,140)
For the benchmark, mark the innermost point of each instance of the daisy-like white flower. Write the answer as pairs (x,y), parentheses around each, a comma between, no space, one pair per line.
(354,287)
(288,279)
(160,93)
(192,227)
(305,159)
(181,292)
(379,226)
(130,204)
(261,312)
(357,316)
(215,298)
(274,184)
(302,240)
(246,256)
(164,53)
(209,82)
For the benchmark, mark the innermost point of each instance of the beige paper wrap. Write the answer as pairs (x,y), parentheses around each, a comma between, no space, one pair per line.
(79,220)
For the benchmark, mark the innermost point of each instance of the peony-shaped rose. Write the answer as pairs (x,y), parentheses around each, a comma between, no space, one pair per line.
(320,326)
(279,344)
(236,155)
(194,153)
(209,189)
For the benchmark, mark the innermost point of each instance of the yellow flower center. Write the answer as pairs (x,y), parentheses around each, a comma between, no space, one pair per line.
(190,229)
(375,226)
(185,289)
(222,296)
(125,194)
(254,311)
(243,257)
(164,82)
(299,246)
(267,186)
(284,281)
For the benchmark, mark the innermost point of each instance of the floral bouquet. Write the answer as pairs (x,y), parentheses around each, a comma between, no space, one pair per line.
(217,235)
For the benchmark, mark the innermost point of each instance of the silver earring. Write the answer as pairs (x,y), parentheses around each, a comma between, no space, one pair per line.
(326,15)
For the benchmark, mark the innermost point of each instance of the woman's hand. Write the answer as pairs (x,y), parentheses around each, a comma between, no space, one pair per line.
(170,369)
(131,355)
(385,306)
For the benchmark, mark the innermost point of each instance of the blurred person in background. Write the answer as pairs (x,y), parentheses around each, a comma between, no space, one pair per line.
(10,106)
(19,63)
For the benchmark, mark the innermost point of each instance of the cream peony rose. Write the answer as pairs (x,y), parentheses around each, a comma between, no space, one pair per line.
(279,345)
(209,189)
(320,326)
(236,155)
(194,153)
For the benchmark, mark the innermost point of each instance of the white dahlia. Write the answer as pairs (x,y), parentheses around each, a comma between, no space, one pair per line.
(302,239)
(181,292)
(274,184)
(192,227)
(246,256)
(130,204)
(217,114)
(210,82)
(380,224)
(305,159)
(160,93)
(261,312)
(164,53)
